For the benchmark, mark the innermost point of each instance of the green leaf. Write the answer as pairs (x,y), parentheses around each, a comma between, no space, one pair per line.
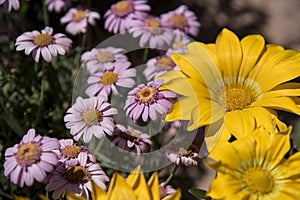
(199,193)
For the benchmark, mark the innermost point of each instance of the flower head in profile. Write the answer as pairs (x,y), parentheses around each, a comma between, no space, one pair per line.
(233,86)
(77,178)
(182,19)
(31,159)
(152,32)
(130,138)
(91,116)
(158,66)
(118,18)
(99,59)
(117,74)
(10,4)
(57,5)
(256,168)
(77,20)
(146,100)
(68,152)
(186,157)
(134,187)
(43,43)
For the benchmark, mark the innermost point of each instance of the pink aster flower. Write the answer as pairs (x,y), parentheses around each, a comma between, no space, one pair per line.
(131,139)
(179,44)
(151,31)
(88,117)
(31,159)
(77,178)
(158,66)
(10,4)
(57,5)
(77,20)
(68,152)
(43,43)
(146,101)
(119,16)
(103,83)
(182,19)
(98,59)
(183,157)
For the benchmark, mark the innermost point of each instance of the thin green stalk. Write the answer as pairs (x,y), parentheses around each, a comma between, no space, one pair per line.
(42,92)
(45,14)
(171,175)
(145,54)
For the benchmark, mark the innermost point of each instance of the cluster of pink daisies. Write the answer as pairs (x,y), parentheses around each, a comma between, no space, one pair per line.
(64,165)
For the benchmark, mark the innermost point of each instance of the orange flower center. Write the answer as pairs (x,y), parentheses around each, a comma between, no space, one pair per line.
(92,117)
(105,56)
(152,23)
(28,154)
(123,8)
(165,63)
(77,175)
(109,78)
(146,95)
(71,151)
(178,21)
(79,15)
(259,180)
(42,40)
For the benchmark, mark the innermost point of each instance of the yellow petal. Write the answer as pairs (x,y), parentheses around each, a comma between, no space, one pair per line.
(97,192)
(71,196)
(252,47)
(290,168)
(137,182)
(181,109)
(153,184)
(174,196)
(119,189)
(229,53)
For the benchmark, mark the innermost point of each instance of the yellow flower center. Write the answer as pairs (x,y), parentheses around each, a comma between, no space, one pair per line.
(165,63)
(28,154)
(71,151)
(42,40)
(146,94)
(77,175)
(79,15)
(92,117)
(123,8)
(108,78)
(152,23)
(259,180)
(178,21)
(236,97)
(105,56)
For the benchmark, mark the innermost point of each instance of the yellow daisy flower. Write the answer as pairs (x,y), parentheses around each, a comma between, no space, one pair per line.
(233,85)
(134,187)
(255,168)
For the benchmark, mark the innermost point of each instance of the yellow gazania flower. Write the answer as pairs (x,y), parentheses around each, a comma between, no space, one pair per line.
(233,85)
(134,187)
(255,168)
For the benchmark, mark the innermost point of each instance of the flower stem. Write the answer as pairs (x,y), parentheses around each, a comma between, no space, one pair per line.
(45,14)
(171,175)
(145,54)
(42,92)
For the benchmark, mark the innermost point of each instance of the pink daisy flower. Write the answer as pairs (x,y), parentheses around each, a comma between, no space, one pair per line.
(183,157)
(43,43)
(31,159)
(158,66)
(146,101)
(68,152)
(88,117)
(10,4)
(119,16)
(151,31)
(98,59)
(179,44)
(103,83)
(77,20)
(77,178)
(57,5)
(182,19)
(131,139)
